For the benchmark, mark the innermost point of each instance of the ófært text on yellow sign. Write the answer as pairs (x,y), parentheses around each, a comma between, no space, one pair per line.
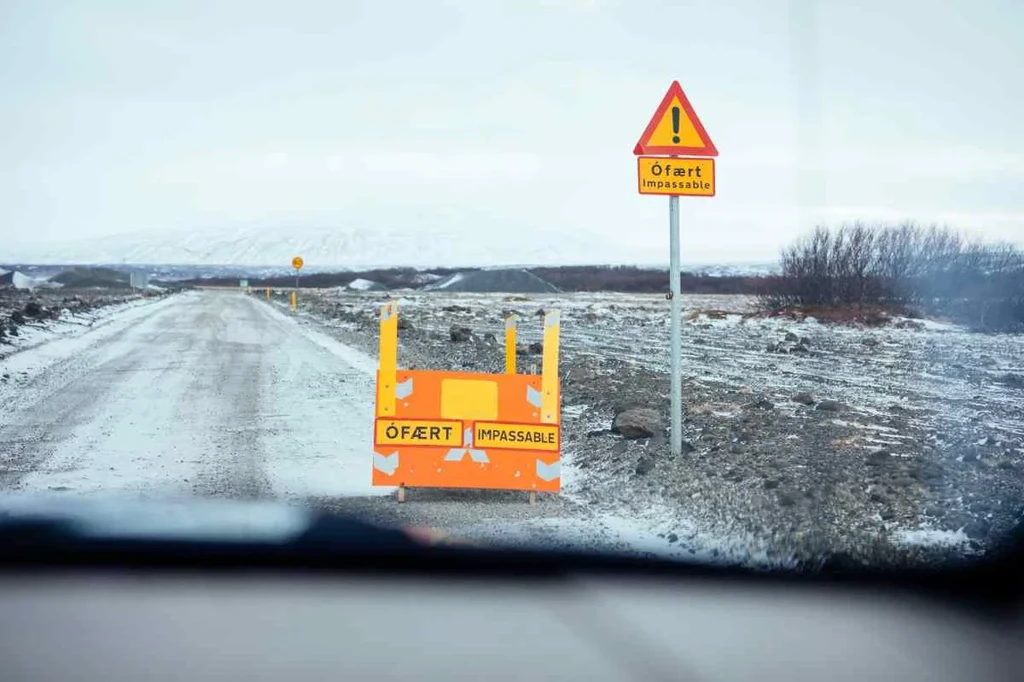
(427,432)
(675,176)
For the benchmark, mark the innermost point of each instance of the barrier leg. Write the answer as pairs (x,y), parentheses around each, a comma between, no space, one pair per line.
(388,367)
(510,344)
(549,369)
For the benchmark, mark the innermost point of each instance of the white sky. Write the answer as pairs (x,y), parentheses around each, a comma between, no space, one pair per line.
(133,116)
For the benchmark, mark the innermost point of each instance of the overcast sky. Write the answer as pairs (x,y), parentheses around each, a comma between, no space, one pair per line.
(119,117)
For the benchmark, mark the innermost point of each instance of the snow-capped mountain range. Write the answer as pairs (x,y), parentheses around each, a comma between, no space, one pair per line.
(354,249)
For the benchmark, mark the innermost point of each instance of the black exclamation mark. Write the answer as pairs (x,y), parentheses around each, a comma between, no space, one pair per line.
(675,125)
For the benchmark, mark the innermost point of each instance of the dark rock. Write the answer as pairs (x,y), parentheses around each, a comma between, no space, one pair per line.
(597,433)
(17,317)
(771,484)
(490,339)
(13,331)
(971,457)
(760,404)
(637,422)
(456,309)
(687,447)
(1012,380)
(804,398)
(870,341)
(929,472)
(877,497)
(404,324)
(878,458)
(887,514)
(790,336)
(33,309)
(987,361)
(536,348)
(459,334)
(787,500)
(977,529)
(645,466)
(1006,465)
(672,537)
(830,406)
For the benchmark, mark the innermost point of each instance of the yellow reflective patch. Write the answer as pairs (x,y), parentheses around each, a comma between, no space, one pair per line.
(469,399)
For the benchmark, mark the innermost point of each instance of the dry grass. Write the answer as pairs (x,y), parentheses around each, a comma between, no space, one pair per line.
(858,315)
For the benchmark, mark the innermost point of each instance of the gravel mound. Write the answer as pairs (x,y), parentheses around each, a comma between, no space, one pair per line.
(81,278)
(511,281)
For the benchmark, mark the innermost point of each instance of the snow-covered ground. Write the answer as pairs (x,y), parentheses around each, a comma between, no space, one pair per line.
(70,324)
(910,436)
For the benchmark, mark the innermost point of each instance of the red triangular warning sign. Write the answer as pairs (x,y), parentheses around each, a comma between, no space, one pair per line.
(675,129)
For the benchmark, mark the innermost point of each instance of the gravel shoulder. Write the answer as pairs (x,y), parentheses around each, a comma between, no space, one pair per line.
(806,442)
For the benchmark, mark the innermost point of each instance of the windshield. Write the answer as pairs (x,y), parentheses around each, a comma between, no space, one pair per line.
(733,282)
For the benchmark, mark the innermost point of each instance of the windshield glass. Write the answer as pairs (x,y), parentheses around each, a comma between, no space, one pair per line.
(711,281)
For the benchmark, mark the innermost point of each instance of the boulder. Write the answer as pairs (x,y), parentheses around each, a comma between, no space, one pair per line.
(804,398)
(459,334)
(637,422)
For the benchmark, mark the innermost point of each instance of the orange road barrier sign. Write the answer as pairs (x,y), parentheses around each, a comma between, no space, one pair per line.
(437,429)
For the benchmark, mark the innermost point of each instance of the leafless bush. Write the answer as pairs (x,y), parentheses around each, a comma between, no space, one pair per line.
(934,269)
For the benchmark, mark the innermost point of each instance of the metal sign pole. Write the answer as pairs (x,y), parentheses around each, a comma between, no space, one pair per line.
(676,328)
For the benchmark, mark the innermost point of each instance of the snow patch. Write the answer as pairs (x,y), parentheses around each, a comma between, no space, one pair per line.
(360,284)
(930,537)
(23,281)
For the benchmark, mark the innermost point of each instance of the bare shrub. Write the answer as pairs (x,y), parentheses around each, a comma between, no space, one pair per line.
(931,269)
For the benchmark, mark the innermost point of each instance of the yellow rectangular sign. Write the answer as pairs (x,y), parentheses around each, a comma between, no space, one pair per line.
(676,176)
(515,436)
(427,432)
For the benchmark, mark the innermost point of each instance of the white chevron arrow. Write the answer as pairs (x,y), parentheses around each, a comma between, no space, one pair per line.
(458,454)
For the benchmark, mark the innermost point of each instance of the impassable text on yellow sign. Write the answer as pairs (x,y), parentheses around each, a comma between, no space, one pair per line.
(515,436)
(676,176)
(427,432)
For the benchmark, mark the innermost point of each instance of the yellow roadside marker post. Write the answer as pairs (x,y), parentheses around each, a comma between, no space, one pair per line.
(510,344)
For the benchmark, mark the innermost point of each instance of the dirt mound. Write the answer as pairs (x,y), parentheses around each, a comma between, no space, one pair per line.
(510,281)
